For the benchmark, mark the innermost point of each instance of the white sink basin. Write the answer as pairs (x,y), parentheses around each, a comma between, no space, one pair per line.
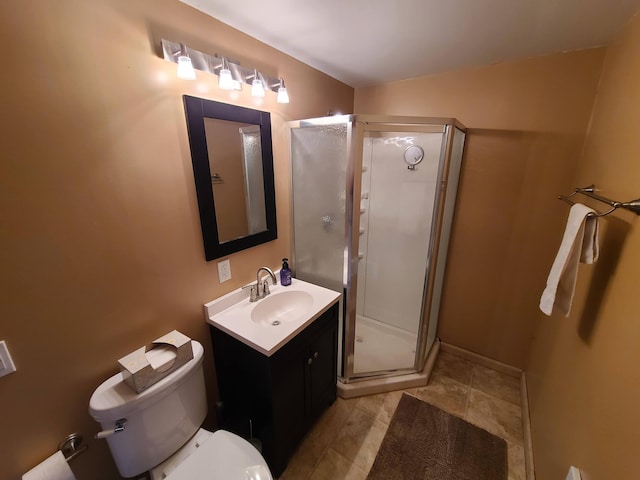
(280,308)
(269,323)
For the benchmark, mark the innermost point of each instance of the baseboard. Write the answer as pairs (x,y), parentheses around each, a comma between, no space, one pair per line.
(526,424)
(481,360)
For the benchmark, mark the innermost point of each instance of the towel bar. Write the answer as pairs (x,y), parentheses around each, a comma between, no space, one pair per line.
(633,205)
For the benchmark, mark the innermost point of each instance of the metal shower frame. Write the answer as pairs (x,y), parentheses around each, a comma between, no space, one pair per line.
(357,125)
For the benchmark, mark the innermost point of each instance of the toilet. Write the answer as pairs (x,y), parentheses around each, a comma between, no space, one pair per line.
(158,431)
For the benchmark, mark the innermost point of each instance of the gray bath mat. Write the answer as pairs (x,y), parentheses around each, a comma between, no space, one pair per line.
(426,443)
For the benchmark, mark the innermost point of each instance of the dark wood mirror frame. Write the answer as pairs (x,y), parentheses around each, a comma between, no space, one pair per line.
(197,109)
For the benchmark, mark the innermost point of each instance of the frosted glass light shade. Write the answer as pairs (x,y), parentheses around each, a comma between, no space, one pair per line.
(225,82)
(257,90)
(283,96)
(185,68)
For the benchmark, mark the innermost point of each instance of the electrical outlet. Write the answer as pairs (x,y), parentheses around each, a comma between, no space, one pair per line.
(6,363)
(224,271)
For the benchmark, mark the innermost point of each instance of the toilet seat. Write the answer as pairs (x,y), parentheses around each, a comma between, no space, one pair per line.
(222,456)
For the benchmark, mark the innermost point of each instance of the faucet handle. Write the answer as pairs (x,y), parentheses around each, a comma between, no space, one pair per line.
(253,295)
(265,288)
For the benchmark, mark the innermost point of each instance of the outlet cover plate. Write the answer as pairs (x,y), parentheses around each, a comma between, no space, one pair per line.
(224,270)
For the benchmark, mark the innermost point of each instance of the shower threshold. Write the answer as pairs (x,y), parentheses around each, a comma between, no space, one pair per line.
(374,385)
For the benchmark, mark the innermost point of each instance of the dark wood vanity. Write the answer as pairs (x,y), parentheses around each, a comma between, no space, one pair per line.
(277,398)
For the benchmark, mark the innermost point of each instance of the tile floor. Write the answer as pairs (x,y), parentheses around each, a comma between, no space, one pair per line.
(344,442)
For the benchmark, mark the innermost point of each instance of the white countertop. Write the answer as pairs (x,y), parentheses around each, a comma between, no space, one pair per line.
(231,313)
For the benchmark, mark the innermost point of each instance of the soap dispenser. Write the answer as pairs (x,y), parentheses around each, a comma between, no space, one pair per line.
(285,273)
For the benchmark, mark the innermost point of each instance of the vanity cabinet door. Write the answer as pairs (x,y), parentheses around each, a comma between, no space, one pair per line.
(289,418)
(321,364)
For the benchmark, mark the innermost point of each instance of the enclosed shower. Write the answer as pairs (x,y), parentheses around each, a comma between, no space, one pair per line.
(373,199)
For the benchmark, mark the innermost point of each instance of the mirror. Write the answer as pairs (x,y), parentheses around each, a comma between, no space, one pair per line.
(233,171)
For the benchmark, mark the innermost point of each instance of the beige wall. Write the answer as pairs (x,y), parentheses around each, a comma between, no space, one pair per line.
(101,249)
(583,375)
(527,120)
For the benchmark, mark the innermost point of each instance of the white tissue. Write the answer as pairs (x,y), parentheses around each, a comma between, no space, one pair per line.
(53,468)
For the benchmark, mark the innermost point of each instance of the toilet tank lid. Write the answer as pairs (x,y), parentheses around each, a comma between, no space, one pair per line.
(114,399)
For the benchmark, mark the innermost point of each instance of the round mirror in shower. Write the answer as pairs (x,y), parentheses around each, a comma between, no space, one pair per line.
(413,155)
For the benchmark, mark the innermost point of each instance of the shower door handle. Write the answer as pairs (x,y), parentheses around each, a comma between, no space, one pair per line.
(327,221)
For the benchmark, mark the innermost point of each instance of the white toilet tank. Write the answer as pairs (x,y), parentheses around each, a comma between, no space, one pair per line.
(158,421)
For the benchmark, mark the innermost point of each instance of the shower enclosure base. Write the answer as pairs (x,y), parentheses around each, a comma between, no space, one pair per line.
(371,386)
(372,337)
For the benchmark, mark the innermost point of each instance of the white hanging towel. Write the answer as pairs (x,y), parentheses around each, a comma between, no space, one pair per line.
(579,244)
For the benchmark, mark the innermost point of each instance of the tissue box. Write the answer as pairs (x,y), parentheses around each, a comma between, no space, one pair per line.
(170,352)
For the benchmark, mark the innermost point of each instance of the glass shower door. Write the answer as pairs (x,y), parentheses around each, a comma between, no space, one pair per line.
(319,165)
(401,173)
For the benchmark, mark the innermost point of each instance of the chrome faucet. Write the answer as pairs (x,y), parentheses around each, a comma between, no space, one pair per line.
(261,289)
(264,291)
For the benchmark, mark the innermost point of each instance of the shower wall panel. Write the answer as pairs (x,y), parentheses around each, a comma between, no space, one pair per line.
(453,179)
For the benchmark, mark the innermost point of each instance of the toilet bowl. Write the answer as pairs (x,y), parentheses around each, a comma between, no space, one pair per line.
(220,454)
(158,431)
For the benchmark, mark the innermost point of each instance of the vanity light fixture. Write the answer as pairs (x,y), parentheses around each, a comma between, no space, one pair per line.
(283,96)
(231,75)
(185,67)
(225,80)
(257,90)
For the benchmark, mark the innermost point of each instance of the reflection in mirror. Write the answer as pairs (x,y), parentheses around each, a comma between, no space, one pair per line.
(233,170)
(236,175)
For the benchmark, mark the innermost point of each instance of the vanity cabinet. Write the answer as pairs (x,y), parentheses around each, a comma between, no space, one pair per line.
(276,399)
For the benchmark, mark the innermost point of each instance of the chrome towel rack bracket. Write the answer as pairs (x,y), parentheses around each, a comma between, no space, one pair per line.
(633,205)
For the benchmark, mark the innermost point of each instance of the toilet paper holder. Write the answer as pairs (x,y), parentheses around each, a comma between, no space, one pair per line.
(72,446)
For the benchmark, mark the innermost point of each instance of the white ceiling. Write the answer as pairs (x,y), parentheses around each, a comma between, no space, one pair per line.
(367,42)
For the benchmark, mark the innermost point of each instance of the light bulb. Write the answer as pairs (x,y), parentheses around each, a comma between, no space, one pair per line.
(185,68)
(257,90)
(225,82)
(283,96)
